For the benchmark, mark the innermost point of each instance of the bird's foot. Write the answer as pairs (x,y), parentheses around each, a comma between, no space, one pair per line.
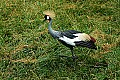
(74,58)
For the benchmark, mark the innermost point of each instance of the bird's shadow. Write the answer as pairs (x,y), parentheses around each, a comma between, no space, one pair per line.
(85,61)
(57,62)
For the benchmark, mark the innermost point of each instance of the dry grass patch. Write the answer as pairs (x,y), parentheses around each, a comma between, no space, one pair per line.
(25,60)
(102,41)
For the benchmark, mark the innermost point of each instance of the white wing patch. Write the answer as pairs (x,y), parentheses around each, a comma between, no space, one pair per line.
(79,37)
(67,40)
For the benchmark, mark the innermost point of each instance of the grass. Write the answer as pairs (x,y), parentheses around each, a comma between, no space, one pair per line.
(28,52)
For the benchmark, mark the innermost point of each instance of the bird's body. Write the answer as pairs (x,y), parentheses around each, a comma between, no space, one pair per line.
(71,38)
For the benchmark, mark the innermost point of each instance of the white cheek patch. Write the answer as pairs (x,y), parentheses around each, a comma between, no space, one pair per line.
(47,17)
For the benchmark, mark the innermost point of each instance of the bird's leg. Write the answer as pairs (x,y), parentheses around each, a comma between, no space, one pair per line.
(73,55)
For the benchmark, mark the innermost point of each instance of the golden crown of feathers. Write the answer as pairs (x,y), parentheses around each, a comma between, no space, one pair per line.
(50,13)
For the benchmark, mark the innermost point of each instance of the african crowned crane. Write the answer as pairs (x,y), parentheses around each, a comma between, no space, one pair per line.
(71,38)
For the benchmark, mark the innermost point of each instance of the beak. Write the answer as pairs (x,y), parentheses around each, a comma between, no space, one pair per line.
(44,20)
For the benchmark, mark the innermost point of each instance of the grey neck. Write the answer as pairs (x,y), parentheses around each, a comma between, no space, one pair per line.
(55,34)
(51,31)
(49,26)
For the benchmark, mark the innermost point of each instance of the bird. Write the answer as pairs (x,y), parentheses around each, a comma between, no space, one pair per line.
(70,38)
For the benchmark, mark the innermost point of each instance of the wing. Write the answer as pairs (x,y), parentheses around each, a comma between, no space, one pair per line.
(85,41)
(75,38)
(69,34)
(88,44)
(73,35)
(67,37)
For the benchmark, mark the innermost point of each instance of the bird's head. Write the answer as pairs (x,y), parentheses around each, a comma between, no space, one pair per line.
(47,17)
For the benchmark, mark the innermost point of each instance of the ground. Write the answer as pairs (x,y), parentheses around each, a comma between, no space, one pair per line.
(27,50)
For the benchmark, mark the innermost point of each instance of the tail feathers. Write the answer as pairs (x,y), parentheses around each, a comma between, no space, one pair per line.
(93,39)
(89,44)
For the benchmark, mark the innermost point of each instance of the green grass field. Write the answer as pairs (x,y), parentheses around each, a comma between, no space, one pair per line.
(28,52)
